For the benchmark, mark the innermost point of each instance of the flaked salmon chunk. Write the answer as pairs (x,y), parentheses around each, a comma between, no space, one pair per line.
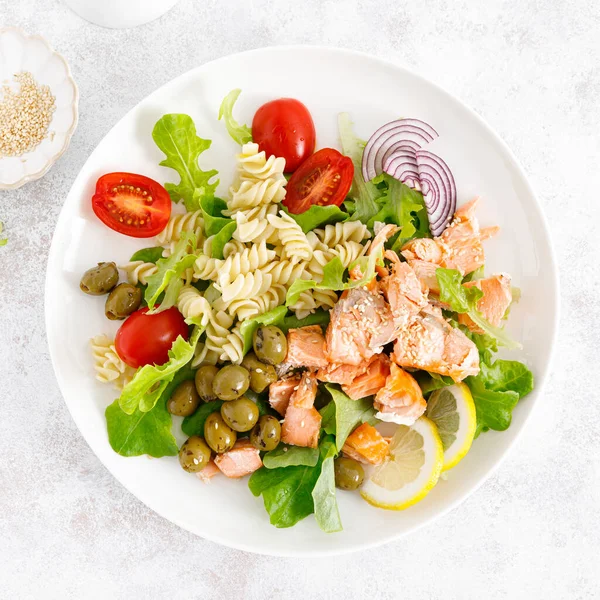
(366,445)
(371,380)
(400,400)
(306,347)
(281,391)
(241,460)
(497,297)
(302,422)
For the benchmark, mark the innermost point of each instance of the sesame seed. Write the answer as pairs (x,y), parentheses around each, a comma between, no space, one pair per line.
(24,115)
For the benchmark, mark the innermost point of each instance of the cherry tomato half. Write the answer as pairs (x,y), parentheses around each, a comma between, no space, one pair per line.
(285,128)
(146,339)
(325,178)
(132,204)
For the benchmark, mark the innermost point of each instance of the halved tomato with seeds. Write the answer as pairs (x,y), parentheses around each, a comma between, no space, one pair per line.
(324,178)
(132,204)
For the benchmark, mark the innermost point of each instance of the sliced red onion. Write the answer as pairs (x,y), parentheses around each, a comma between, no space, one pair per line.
(402,165)
(439,190)
(391,137)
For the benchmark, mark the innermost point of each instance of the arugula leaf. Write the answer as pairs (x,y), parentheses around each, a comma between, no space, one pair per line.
(249,326)
(150,381)
(145,432)
(194,424)
(463,299)
(291,456)
(349,414)
(242,134)
(327,514)
(175,135)
(149,255)
(169,272)
(363,193)
(318,216)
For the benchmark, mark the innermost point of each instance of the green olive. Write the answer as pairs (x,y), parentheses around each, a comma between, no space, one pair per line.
(99,280)
(122,301)
(231,382)
(184,400)
(240,414)
(261,375)
(194,454)
(270,345)
(218,435)
(349,473)
(204,382)
(266,433)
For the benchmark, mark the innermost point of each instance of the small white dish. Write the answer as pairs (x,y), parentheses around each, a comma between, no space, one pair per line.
(373,92)
(22,52)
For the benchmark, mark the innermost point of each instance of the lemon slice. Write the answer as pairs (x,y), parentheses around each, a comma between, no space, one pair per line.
(453,411)
(412,469)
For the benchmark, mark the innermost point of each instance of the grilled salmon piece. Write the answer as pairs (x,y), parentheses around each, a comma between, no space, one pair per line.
(460,245)
(342,374)
(306,347)
(241,460)
(209,471)
(403,291)
(371,381)
(497,297)
(366,445)
(361,324)
(430,343)
(302,422)
(281,391)
(400,400)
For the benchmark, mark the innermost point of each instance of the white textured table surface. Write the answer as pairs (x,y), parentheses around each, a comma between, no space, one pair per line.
(69,530)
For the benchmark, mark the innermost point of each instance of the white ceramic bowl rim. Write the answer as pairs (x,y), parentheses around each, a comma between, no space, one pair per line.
(74,106)
(542,374)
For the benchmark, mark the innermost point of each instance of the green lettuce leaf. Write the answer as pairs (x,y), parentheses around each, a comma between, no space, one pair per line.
(291,456)
(328,418)
(318,216)
(148,255)
(242,134)
(194,424)
(288,491)
(429,382)
(150,381)
(169,273)
(463,299)
(216,225)
(508,375)
(363,193)
(349,414)
(327,514)
(145,432)
(175,135)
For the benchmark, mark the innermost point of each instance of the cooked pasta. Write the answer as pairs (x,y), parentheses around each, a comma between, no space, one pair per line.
(305,305)
(253,226)
(232,247)
(251,194)
(246,286)
(207,268)
(349,231)
(138,271)
(250,259)
(204,356)
(293,240)
(233,348)
(193,305)
(319,259)
(217,331)
(248,308)
(192,222)
(254,165)
(284,272)
(348,252)
(108,364)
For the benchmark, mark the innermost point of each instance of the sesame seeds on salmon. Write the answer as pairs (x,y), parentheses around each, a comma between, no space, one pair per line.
(366,445)
(400,400)
(302,422)
(306,347)
(243,459)
(281,391)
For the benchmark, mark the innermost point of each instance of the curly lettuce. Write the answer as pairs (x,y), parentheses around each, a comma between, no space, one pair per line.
(241,134)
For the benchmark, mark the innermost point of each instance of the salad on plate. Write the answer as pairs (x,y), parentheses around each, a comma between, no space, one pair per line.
(328,324)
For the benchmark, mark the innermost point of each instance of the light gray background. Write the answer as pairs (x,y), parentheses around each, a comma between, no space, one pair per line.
(532,69)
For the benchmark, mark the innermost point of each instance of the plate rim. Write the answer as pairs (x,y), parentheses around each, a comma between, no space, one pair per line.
(541,378)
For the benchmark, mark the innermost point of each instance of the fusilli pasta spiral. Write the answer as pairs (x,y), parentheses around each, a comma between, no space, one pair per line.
(254,165)
(191,221)
(204,356)
(284,272)
(217,331)
(138,271)
(250,259)
(349,231)
(255,193)
(246,286)
(233,348)
(193,305)
(253,226)
(108,364)
(295,245)
(348,252)
(207,268)
(246,309)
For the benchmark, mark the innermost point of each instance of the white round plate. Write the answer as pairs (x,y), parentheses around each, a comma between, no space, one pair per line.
(373,92)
